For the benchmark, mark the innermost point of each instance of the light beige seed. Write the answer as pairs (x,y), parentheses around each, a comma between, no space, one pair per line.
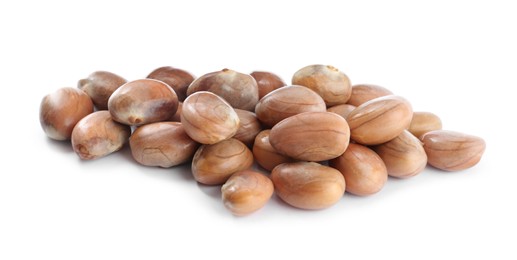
(343,110)
(142,102)
(308,185)
(246,192)
(163,144)
(311,136)
(97,135)
(208,119)
(249,127)
(404,155)
(238,89)
(60,111)
(423,122)
(362,93)
(287,101)
(364,171)
(379,120)
(452,151)
(330,83)
(213,164)
(265,155)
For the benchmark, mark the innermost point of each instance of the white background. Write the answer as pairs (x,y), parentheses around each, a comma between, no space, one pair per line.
(457,59)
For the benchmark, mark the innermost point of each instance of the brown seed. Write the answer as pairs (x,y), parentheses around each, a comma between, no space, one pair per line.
(365,92)
(177,116)
(308,185)
(213,164)
(249,127)
(424,122)
(177,79)
(208,119)
(99,86)
(404,156)
(265,155)
(343,110)
(238,89)
(97,135)
(452,151)
(379,120)
(143,101)
(364,171)
(267,82)
(163,144)
(61,110)
(330,83)
(311,136)
(287,101)
(246,192)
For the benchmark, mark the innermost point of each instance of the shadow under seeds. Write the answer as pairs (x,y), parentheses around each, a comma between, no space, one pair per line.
(61,146)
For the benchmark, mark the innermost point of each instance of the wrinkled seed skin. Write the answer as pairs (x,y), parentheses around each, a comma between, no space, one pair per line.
(423,122)
(330,83)
(163,144)
(100,85)
(362,93)
(142,102)
(208,119)
(267,82)
(97,135)
(404,156)
(343,110)
(452,151)
(379,120)
(60,111)
(238,89)
(249,127)
(265,155)
(177,79)
(214,164)
(364,171)
(308,185)
(311,136)
(246,192)
(288,101)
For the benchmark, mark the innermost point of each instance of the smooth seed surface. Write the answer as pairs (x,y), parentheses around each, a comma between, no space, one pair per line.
(365,92)
(364,171)
(163,144)
(208,119)
(311,136)
(423,122)
(404,155)
(267,82)
(246,192)
(452,151)
(100,85)
(238,89)
(286,102)
(379,120)
(213,164)
(142,102)
(308,185)
(60,111)
(97,135)
(265,155)
(330,83)
(177,79)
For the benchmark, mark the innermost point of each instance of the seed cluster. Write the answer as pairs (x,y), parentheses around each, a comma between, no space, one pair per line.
(312,140)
